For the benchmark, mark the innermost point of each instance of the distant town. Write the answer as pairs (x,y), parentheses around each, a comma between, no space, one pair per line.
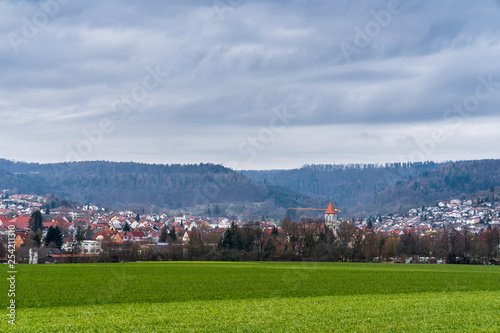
(89,233)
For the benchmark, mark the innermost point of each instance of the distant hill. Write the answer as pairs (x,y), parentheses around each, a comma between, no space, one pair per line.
(363,189)
(359,189)
(134,185)
(353,188)
(464,179)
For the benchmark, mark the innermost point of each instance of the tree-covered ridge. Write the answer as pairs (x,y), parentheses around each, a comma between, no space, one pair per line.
(126,184)
(352,187)
(452,180)
(376,188)
(358,189)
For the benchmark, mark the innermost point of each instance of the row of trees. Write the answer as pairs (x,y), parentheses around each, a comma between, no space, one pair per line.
(310,240)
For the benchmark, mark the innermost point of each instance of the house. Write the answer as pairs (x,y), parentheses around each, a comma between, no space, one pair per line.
(197,225)
(68,244)
(155,236)
(222,222)
(91,247)
(64,224)
(81,222)
(104,236)
(129,236)
(186,238)
(20,238)
(99,226)
(180,219)
(116,226)
(20,222)
(158,225)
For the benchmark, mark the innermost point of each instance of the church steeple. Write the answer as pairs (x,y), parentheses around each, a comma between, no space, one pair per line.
(330,213)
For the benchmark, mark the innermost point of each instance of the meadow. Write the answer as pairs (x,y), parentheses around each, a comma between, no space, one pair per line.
(255,297)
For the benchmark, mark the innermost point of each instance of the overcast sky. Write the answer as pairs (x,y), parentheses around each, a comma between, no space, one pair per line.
(249,84)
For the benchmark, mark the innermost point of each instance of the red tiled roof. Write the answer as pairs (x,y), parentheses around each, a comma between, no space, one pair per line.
(21,219)
(20,222)
(105,234)
(330,209)
(98,226)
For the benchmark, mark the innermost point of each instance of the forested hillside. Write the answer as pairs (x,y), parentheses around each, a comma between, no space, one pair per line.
(352,187)
(131,185)
(369,189)
(356,189)
(465,179)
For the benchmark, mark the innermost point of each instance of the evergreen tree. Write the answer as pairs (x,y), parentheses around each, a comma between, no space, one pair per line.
(54,235)
(137,217)
(126,227)
(172,234)
(163,235)
(35,222)
(231,239)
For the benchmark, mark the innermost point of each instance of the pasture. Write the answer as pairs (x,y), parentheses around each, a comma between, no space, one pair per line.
(255,297)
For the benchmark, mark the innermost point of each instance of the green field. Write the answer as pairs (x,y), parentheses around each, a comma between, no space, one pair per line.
(253,297)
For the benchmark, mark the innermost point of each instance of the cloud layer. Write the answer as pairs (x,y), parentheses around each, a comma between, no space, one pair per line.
(207,81)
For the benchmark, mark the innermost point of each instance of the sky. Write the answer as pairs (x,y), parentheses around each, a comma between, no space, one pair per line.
(249,84)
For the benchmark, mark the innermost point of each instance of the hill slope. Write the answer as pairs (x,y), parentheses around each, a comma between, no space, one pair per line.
(131,185)
(370,189)
(356,189)
(463,179)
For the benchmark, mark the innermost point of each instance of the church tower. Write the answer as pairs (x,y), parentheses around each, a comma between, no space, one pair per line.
(331,220)
(330,213)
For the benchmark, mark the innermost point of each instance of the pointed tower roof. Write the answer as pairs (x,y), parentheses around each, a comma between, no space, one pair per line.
(330,209)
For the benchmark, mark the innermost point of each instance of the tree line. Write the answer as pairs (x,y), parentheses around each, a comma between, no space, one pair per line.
(309,240)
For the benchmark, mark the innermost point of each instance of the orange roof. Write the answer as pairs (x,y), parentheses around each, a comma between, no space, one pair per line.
(22,219)
(330,209)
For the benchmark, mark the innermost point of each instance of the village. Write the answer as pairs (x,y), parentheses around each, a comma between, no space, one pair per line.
(99,227)
(89,230)
(473,216)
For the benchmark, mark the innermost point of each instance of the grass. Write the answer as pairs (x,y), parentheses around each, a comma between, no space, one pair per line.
(249,297)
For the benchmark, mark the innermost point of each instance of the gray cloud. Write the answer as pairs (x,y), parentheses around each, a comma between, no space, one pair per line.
(226,76)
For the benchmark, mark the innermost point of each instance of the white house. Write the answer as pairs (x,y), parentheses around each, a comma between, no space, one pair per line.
(91,247)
